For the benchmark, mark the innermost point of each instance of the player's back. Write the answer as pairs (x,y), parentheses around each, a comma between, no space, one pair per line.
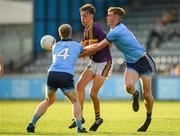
(126,42)
(65,54)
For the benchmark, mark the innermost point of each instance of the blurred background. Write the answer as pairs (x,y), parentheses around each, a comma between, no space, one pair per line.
(155,23)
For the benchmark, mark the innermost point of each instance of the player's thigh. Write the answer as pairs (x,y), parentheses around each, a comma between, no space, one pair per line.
(130,76)
(97,83)
(103,71)
(50,94)
(85,78)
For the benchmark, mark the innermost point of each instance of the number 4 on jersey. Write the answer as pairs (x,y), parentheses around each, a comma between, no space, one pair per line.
(64,53)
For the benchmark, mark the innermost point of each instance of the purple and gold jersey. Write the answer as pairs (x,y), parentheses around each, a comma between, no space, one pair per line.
(94,34)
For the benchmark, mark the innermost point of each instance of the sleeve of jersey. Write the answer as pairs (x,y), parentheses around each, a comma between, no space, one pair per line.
(111,36)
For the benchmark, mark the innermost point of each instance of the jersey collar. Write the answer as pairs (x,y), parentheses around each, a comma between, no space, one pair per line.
(66,39)
(118,23)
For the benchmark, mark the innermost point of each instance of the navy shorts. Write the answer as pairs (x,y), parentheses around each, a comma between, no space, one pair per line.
(144,66)
(61,80)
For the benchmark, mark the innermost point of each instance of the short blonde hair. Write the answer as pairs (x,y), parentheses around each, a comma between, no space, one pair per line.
(117,11)
(65,30)
(88,8)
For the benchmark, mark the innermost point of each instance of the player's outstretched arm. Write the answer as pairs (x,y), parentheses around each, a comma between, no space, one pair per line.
(97,46)
(87,53)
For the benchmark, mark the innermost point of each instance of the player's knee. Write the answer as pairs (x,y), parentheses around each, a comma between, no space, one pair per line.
(50,101)
(147,96)
(129,88)
(73,100)
(93,96)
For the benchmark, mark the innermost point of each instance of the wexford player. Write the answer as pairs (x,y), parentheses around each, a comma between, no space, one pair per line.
(139,65)
(60,75)
(99,67)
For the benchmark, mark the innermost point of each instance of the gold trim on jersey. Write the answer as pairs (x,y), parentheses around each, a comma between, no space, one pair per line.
(88,37)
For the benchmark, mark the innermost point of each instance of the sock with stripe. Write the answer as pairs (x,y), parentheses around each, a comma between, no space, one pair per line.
(97,115)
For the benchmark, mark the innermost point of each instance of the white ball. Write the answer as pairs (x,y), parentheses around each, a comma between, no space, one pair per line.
(47,42)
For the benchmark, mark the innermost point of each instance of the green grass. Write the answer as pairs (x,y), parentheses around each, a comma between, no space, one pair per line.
(119,119)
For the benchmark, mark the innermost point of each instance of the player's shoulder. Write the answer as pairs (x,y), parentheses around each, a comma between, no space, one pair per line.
(96,24)
(68,42)
(76,44)
(119,28)
(72,42)
(122,26)
(56,44)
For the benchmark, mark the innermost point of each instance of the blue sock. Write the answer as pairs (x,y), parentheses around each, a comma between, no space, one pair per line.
(35,119)
(78,123)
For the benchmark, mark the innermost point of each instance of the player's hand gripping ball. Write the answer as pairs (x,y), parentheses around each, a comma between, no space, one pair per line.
(47,42)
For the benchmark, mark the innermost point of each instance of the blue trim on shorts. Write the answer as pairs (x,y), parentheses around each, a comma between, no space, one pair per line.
(67,90)
(64,90)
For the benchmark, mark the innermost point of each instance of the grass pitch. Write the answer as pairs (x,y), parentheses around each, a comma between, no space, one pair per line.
(119,119)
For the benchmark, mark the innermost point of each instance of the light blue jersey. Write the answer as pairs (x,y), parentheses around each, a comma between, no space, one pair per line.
(64,56)
(126,42)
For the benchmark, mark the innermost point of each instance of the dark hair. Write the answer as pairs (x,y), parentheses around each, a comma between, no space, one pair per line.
(89,8)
